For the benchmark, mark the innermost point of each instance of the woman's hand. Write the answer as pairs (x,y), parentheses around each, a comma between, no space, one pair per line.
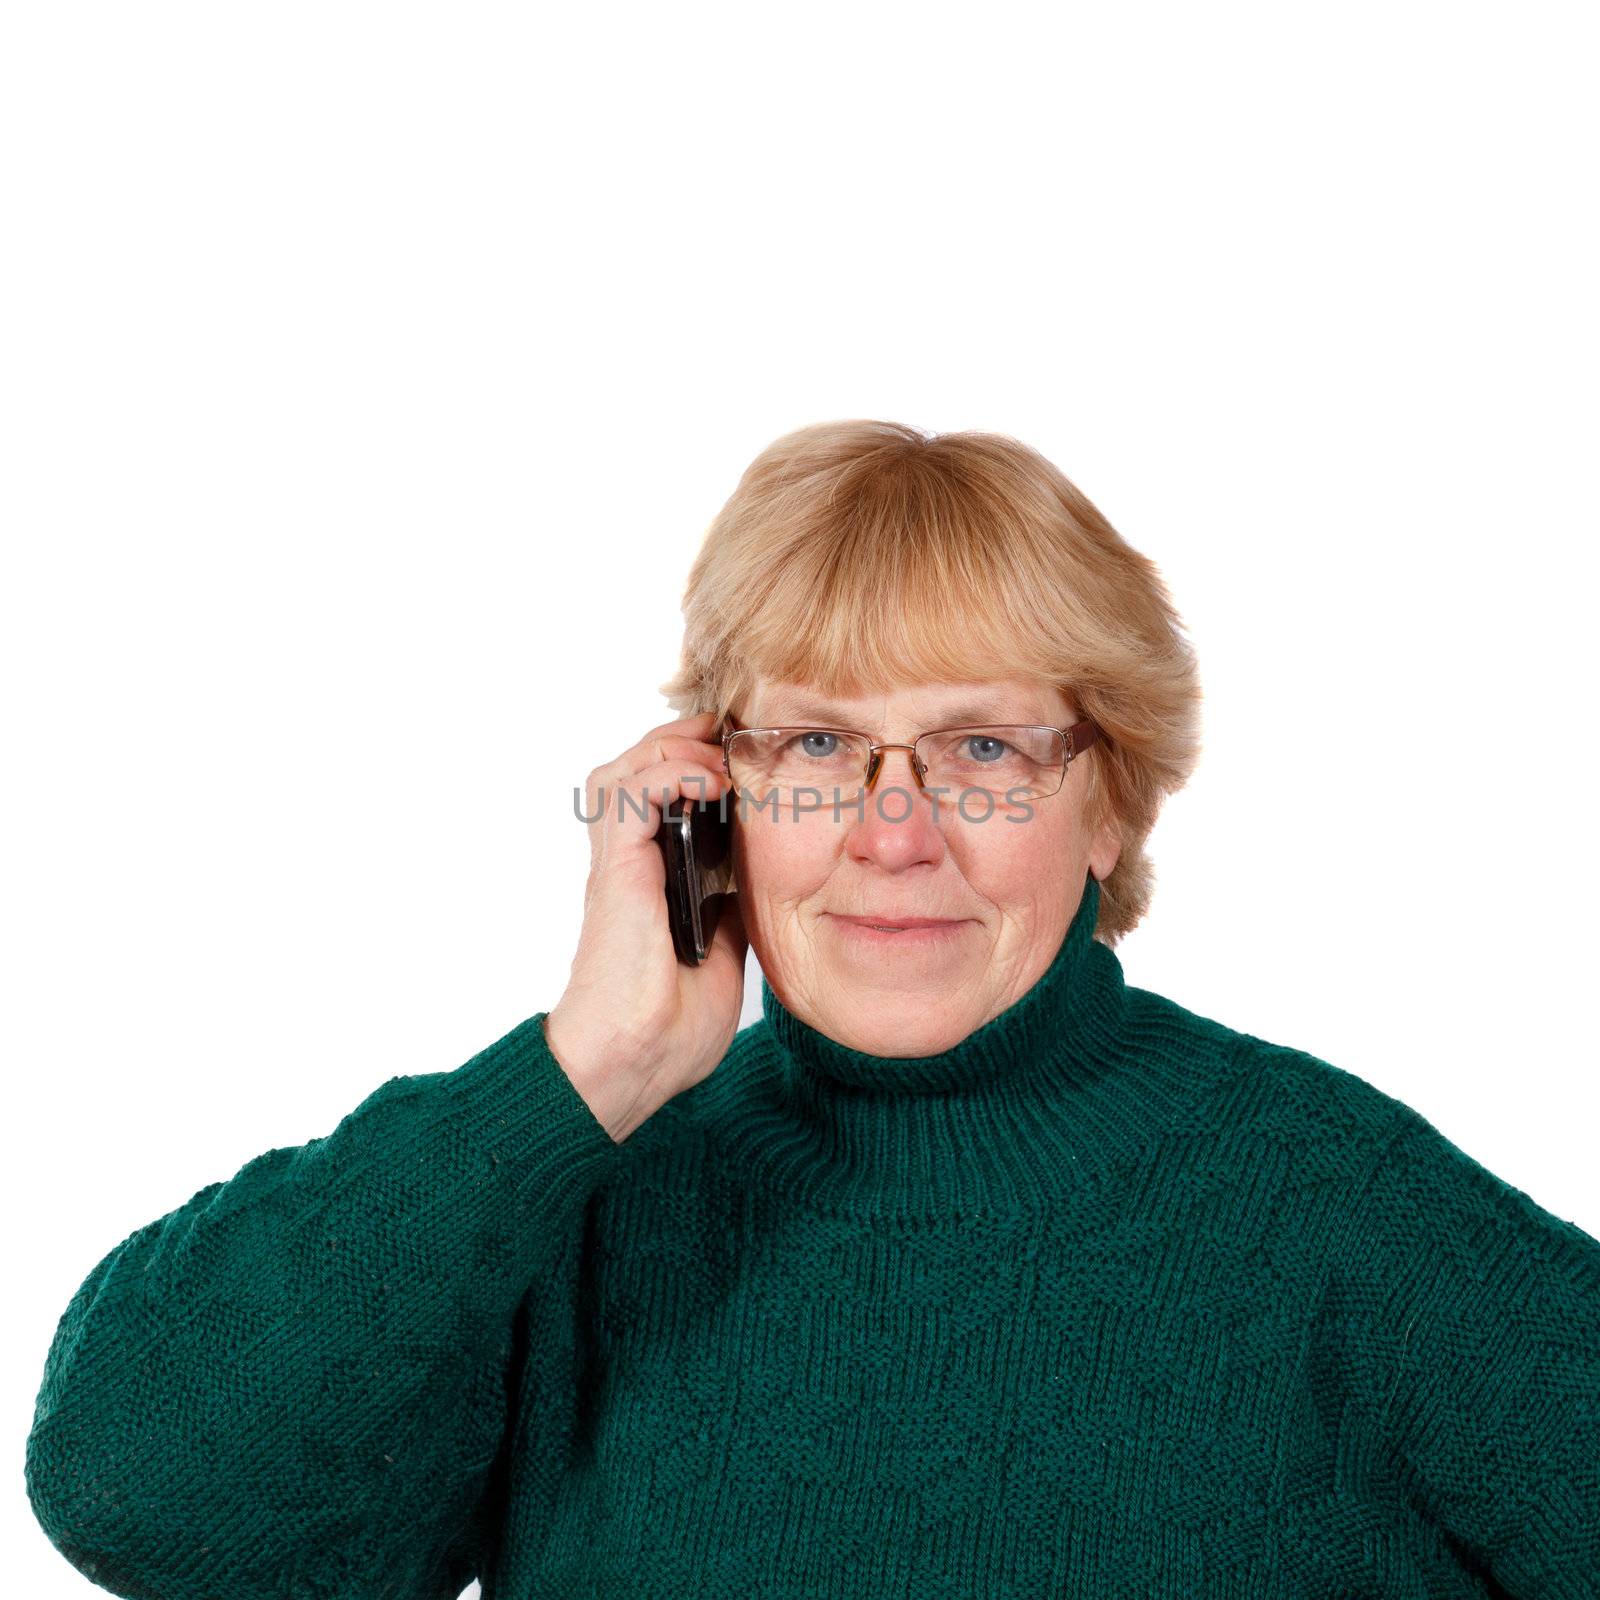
(635,1026)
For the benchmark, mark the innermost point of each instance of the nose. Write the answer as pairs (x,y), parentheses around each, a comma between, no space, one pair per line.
(897,830)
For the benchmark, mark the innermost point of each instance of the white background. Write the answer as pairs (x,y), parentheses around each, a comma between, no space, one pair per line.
(371,374)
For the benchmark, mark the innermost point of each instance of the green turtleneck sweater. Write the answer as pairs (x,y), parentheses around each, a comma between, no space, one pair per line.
(1109,1299)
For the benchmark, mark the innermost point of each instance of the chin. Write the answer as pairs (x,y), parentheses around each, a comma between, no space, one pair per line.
(904,1034)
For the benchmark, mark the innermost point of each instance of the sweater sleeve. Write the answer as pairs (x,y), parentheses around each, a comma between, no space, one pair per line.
(1480,1360)
(295,1384)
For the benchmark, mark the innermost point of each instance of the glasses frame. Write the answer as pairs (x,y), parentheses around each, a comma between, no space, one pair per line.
(1076,738)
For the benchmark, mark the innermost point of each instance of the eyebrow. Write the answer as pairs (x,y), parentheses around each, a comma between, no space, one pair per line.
(963,714)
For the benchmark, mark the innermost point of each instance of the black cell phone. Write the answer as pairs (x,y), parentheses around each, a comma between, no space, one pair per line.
(696,841)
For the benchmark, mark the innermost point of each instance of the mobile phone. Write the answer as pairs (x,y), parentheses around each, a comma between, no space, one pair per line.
(696,843)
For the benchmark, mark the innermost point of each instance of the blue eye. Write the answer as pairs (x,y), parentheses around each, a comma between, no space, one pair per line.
(811,750)
(996,747)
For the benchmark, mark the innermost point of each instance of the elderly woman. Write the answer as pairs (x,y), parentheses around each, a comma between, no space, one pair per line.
(969,1269)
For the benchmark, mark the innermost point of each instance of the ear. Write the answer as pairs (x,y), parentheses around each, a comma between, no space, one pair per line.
(1105,852)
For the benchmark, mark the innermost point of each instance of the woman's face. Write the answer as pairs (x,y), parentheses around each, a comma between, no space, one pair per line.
(1007,888)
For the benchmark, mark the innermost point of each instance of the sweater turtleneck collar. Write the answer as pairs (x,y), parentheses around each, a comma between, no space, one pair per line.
(1061,1085)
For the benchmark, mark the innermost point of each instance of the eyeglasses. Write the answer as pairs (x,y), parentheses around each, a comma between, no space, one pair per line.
(1013,762)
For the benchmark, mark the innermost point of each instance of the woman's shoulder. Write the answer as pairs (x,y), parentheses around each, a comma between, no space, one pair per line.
(1339,1125)
(1262,1090)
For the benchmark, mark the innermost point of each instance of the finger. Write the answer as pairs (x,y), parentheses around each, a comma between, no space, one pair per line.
(601,784)
(652,749)
(647,752)
(635,808)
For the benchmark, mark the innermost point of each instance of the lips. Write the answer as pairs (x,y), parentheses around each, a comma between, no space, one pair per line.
(900,923)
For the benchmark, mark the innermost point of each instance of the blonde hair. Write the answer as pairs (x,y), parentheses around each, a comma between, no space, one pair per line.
(859,555)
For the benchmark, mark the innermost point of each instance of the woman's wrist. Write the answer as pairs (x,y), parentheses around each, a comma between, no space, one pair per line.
(603,1067)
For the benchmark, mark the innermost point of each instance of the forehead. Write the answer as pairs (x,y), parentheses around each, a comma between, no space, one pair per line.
(924,705)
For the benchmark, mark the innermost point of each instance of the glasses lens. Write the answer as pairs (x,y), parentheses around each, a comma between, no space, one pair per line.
(768,761)
(1018,763)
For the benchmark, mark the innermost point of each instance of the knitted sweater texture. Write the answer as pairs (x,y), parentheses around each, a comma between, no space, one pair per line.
(1108,1300)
